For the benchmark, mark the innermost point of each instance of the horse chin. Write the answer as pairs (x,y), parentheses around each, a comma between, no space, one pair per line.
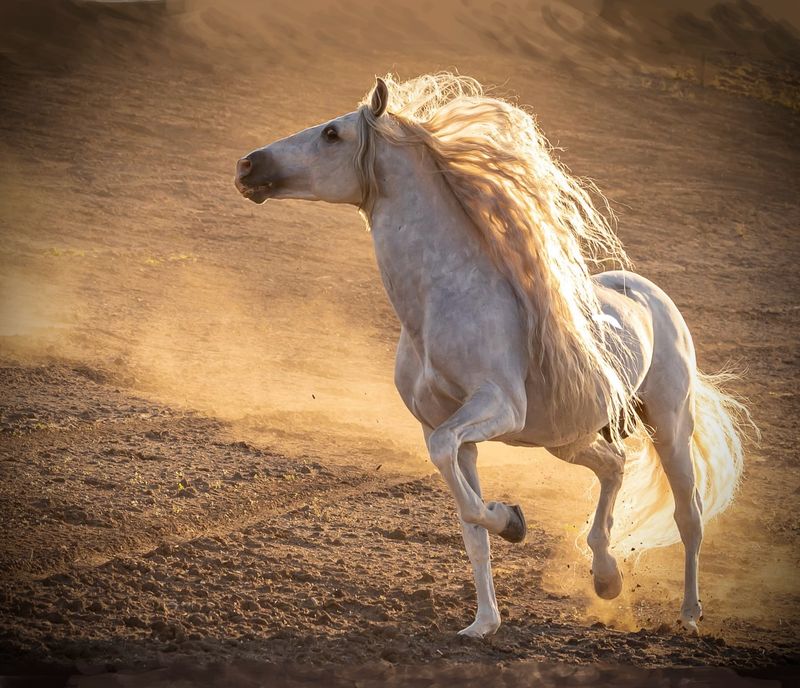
(257,194)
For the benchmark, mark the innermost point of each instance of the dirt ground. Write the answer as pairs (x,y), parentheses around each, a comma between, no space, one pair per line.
(206,474)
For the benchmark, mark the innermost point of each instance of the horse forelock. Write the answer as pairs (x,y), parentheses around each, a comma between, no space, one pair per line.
(539,222)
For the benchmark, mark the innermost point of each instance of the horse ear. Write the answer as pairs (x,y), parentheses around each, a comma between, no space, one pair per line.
(380,97)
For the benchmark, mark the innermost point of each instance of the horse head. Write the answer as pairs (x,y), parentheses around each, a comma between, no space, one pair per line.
(321,163)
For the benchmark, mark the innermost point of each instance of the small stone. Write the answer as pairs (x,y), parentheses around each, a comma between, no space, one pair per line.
(396,534)
(310,603)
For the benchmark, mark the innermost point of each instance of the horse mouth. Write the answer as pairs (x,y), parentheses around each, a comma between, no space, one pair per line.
(257,194)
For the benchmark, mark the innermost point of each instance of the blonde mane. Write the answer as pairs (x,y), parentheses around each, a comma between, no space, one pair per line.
(539,224)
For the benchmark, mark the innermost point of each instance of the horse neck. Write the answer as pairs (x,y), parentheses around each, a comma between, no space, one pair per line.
(420,231)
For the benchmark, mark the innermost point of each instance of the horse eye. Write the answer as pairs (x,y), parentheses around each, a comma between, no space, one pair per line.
(330,134)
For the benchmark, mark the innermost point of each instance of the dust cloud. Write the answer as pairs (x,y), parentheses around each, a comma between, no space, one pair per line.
(294,376)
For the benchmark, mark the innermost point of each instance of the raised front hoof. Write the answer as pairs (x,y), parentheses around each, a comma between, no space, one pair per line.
(609,586)
(516,529)
(480,628)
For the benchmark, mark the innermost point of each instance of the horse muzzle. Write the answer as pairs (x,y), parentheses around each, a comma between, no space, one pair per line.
(255,178)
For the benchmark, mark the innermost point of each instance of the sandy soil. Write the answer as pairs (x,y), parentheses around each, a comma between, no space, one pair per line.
(202,455)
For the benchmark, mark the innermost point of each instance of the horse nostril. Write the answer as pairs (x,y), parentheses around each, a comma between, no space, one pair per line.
(244,167)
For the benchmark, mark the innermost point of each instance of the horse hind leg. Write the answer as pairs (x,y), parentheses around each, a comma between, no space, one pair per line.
(672,437)
(607,462)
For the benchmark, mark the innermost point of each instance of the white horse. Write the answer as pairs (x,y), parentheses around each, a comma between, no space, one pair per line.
(484,244)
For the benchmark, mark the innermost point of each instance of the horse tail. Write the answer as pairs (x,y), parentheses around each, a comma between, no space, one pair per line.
(643,517)
(720,425)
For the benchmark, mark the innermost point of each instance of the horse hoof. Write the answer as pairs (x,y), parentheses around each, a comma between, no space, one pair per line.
(481,628)
(516,529)
(609,587)
(689,626)
(689,619)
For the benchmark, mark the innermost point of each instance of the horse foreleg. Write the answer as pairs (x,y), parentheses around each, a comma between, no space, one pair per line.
(486,414)
(607,463)
(476,542)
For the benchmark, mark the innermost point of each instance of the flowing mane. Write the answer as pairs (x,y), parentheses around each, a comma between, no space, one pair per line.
(539,223)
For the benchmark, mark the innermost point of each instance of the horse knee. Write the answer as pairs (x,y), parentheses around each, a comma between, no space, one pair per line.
(442,448)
